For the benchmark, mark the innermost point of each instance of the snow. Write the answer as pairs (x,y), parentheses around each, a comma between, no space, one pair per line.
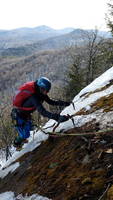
(81,101)
(11,168)
(80,104)
(11,196)
(7,196)
(2,157)
(99,82)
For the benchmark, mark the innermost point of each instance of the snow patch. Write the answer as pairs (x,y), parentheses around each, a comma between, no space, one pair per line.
(11,168)
(11,196)
(7,196)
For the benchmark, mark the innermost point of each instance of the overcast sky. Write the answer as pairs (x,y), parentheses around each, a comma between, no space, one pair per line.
(57,14)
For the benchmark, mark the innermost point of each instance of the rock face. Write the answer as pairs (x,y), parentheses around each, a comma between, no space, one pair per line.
(71,167)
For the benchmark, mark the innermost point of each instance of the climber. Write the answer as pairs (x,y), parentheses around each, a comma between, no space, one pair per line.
(29,98)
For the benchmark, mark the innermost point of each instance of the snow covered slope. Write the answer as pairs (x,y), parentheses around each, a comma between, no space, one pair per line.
(93,105)
(101,89)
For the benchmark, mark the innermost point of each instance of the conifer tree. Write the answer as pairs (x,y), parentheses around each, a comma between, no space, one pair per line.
(109,17)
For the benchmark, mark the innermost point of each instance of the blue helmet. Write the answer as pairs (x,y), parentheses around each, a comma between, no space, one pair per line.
(45,83)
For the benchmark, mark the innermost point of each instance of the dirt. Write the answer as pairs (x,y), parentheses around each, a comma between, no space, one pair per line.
(66,168)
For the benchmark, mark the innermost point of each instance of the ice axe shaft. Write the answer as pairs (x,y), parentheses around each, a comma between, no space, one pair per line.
(55,127)
(73,105)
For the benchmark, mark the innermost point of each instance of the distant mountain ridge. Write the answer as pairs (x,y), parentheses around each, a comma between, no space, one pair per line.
(57,42)
(28,42)
(24,36)
(40,29)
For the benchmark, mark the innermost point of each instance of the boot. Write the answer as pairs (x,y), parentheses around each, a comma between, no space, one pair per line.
(18,142)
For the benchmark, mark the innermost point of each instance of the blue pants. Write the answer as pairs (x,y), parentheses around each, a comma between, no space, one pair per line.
(23,128)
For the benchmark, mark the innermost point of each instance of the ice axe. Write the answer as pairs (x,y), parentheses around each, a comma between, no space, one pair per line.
(56,125)
(71,117)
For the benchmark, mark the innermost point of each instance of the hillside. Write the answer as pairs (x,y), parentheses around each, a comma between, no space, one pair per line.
(21,36)
(52,63)
(62,39)
(56,42)
(77,164)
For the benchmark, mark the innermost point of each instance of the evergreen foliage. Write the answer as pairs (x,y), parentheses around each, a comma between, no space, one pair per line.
(109,17)
(75,78)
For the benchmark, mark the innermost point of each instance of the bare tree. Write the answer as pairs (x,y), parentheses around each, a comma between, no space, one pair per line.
(88,60)
(92,44)
(6,131)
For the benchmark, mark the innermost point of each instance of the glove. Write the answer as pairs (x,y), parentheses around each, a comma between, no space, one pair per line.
(63,118)
(68,103)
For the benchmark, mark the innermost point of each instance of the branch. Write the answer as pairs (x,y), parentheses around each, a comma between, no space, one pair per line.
(105,191)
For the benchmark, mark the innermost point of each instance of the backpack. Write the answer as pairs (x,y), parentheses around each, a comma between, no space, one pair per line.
(24,92)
